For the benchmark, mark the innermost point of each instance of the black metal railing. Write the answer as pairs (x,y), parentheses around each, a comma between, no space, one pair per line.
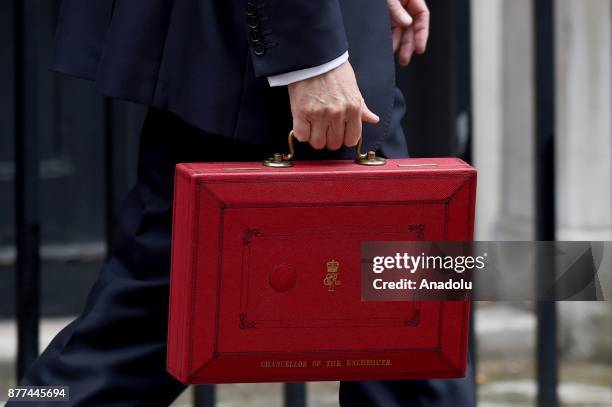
(545,224)
(27,216)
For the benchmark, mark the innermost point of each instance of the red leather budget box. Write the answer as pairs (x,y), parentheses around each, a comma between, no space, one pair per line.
(253,249)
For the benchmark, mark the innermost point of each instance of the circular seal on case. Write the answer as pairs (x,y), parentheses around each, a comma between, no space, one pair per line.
(282,278)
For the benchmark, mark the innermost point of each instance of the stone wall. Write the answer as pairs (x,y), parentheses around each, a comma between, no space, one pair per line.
(504,132)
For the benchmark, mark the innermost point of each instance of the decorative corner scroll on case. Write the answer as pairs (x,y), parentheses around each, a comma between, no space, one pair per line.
(414,319)
(419,230)
(245,323)
(249,234)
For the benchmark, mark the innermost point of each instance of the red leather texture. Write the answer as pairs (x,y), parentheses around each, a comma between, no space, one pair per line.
(252,247)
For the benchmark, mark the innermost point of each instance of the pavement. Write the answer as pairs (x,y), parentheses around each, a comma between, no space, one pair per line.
(505,375)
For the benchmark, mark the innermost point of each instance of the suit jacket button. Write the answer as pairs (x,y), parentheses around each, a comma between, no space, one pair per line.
(255,35)
(251,9)
(252,21)
(259,49)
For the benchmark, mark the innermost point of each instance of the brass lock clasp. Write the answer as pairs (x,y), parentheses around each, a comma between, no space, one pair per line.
(278,160)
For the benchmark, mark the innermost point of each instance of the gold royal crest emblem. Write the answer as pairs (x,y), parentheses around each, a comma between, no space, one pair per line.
(331,278)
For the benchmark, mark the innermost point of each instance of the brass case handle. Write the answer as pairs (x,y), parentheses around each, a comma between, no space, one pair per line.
(284,160)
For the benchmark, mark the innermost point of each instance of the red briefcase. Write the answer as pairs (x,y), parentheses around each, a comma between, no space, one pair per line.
(253,247)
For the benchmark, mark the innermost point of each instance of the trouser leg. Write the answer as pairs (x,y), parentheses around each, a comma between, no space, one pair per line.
(114,353)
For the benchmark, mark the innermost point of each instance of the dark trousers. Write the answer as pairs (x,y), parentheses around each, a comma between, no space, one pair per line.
(114,352)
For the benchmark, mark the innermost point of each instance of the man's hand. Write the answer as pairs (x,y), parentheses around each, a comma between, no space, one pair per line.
(410,24)
(328,109)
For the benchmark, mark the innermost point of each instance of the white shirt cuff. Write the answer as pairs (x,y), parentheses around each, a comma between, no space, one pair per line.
(285,79)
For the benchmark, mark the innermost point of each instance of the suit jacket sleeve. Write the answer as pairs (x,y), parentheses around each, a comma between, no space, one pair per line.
(290,35)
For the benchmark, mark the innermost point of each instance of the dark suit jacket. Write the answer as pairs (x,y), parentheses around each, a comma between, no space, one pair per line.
(207,60)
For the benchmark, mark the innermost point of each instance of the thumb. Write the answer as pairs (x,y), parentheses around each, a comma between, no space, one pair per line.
(368,116)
